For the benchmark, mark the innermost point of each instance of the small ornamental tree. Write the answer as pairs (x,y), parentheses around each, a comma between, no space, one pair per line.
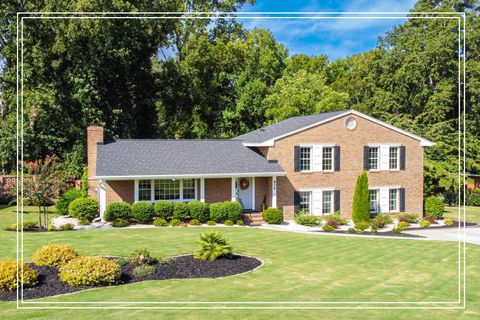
(361,200)
(85,184)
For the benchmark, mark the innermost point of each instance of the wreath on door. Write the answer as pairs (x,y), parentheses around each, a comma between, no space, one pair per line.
(244,183)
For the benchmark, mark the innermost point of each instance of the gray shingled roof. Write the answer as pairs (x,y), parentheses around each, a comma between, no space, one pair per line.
(179,157)
(285,126)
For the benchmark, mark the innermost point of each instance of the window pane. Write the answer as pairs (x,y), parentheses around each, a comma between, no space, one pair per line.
(373,158)
(188,189)
(167,189)
(144,190)
(393,200)
(305,158)
(305,200)
(327,202)
(374,201)
(393,158)
(327,162)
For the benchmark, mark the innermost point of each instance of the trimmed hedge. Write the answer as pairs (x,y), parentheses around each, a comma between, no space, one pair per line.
(160,222)
(142,211)
(120,223)
(228,210)
(67,197)
(83,208)
(361,200)
(272,216)
(54,255)
(118,210)
(90,271)
(8,275)
(434,207)
(163,209)
(199,210)
(180,210)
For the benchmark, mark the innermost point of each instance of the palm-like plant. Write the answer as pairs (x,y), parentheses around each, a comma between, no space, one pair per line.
(213,245)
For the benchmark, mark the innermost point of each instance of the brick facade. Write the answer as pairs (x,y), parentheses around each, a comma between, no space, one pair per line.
(94,136)
(120,190)
(351,144)
(218,190)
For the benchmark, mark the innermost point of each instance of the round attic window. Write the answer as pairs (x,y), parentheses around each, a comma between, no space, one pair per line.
(351,123)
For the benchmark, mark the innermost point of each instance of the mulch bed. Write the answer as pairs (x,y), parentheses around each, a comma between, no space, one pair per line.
(382,234)
(183,267)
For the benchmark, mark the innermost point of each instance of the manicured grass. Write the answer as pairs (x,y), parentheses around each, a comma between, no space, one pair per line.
(472,213)
(8,215)
(298,267)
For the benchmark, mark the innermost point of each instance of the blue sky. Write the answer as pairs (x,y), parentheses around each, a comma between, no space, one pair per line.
(336,38)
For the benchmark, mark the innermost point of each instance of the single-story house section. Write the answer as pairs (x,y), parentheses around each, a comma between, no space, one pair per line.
(302,163)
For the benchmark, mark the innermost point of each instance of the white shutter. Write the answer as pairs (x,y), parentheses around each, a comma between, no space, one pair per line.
(384,157)
(384,199)
(317,202)
(317,158)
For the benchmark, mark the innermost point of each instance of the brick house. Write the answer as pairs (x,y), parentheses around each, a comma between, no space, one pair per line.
(302,163)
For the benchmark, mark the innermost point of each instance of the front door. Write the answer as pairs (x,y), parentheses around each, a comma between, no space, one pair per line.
(245,192)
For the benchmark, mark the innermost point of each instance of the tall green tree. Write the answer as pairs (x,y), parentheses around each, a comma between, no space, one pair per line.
(361,200)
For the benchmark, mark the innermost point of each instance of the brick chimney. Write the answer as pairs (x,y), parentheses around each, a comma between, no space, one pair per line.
(94,136)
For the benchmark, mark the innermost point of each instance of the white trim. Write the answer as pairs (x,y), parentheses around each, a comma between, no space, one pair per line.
(306,145)
(378,187)
(316,157)
(317,189)
(135,196)
(202,189)
(192,176)
(102,201)
(234,189)
(253,193)
(271,142)
(274,191)
(372,145)
(152,191)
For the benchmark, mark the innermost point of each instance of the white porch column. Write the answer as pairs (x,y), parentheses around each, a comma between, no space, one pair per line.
(202,189)
(234,189)
(253,193)
(274,191)
(102,199)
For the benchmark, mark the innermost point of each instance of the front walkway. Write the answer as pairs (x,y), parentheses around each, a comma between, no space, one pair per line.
(472,235)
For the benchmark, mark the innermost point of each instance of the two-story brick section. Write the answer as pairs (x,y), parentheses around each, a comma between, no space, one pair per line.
(302,163)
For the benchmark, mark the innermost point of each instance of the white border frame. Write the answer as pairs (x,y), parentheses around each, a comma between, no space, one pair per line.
(460,16)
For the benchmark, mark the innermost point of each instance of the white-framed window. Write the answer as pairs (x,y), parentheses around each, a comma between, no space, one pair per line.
(327,159)
(327,202)
(373,158)
(305,158)
(166,189)
(305,200)
(374,196)
(144,190)
(394,159)
(393,200)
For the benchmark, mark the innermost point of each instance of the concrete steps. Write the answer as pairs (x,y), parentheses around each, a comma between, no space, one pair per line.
(253,218)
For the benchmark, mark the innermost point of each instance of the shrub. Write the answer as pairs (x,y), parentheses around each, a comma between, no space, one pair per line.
(194,222)
(361,200)
(234,210)
(8,275)
(307,220)
(332,223)
(84,222)
(448,222)
(142,211)
(213,245)
(54,255)
(430,219)
(180,210)
(67,197)
(402,225)
(303,213)
(120,223)
(336,217)
(123,261)
(167,260)
(199,210)
(272,216)
(175,222)
(351,230)
(27,226)
(66,227)
(380,220)
(328,228)
(143,271)
(118,210)
(52,228)
(160,222)
(228,222)
(211,223)
(434,207)
(240,222)
(373,230)
(163,209)
(360,231)
(141,257)
(90,271)
(408,217)
(472,197)
(425,224)
(217,212)
(83,208)
(362,225)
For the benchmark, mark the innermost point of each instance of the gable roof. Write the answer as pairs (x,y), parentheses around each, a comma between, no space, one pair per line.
(266,136)
(129,159)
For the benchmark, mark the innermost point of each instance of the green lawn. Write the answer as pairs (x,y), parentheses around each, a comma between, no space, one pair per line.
(298,267)
(472,213)
(8,215)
